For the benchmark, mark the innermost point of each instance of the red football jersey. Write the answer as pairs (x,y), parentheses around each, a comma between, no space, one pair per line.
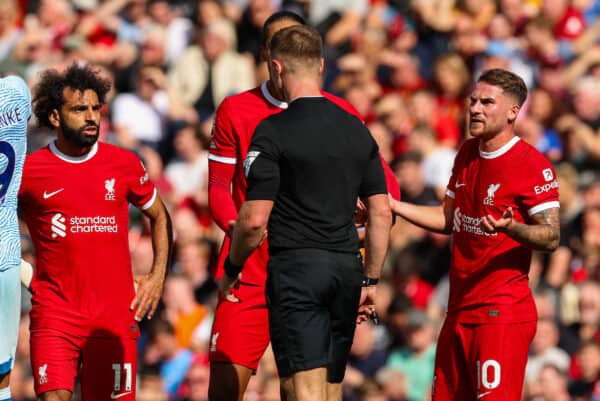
(236,119)
(489,273)
(76,210)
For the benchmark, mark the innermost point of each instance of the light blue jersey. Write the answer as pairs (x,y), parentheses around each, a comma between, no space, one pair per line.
(15,110)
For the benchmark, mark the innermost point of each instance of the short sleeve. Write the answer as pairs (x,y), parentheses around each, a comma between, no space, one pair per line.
(373,182)
(541,189)
(142,192)
(223,144)
(261,166)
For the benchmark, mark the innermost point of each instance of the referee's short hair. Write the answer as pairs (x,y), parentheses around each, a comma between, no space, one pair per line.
(298,47)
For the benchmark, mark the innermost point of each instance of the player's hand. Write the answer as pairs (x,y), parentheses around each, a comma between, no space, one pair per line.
(366,306)
(227,284)
(490,225)
(148,293)
(360,213)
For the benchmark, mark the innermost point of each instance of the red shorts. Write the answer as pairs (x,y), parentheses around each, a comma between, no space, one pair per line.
(481,362)
(108,364)
(240,332)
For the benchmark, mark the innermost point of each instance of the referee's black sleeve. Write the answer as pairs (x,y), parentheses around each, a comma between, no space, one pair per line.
(373,181)
(262,164)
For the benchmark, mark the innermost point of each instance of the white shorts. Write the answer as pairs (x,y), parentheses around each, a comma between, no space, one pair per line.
(10,310)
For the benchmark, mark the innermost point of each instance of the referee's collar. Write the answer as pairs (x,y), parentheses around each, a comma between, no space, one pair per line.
(270,98)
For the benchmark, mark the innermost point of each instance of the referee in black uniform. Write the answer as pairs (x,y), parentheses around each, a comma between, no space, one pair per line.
(305,168)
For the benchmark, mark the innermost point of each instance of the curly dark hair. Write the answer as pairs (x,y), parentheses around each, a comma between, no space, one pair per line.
(48,93)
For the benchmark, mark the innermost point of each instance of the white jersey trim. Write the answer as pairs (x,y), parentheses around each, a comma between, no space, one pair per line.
(450,193)
(543,206)
(151,201)
(74,159)
(222,159)
(270,98)
(497,153)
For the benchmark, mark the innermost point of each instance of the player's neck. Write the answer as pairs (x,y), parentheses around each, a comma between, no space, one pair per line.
(70,149)
(273,91)
(302,87)
(493,143)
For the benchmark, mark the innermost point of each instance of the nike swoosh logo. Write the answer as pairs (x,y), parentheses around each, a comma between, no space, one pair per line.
(458,185)
(51,194)
(483,394)
(114,396)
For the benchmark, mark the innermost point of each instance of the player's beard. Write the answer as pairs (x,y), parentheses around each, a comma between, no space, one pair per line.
(77,136)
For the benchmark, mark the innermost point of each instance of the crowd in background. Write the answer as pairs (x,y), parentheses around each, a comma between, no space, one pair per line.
(407,66)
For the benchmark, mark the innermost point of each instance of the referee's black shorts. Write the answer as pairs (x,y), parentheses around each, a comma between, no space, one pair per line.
(313,297)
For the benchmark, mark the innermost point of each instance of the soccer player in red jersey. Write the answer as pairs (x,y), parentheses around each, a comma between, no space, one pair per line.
(501,202)
(74,197)
(240,332)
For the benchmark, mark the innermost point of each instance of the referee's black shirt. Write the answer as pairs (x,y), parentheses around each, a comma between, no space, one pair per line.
(313,160)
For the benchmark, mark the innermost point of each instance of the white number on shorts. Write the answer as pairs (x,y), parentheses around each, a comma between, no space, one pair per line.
(117,369)
(482,374)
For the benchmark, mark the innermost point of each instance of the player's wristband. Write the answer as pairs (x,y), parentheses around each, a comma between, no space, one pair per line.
(368,281)
(230,269)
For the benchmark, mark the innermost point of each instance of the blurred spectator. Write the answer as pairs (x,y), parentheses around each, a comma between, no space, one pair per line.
(551,385)
(197,380)
(546,141)
(424,110)
(182,312)
(416,359)
(392,112)
(178,30)
(585,380)
(172,359)
(545,350)
(365,359)
(571,207)
(249,29)
(452,79)
(140,118)
(193,258)
(437,160)
(188,172)
(581,128)
(201,77)
(405,278)
(9,30)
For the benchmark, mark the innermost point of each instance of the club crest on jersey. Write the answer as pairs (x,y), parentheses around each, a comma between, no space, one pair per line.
(252,155)
(109,185)
(491,192)
(42,373)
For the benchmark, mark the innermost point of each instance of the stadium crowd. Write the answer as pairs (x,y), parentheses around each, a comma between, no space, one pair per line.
(407,67)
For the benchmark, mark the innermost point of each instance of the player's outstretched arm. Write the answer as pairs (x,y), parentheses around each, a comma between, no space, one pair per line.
(220,202)
(542,235)
(433,218)
(150,286)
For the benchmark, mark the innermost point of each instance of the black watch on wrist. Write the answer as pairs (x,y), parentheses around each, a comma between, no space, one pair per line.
(230,269)
(368,281)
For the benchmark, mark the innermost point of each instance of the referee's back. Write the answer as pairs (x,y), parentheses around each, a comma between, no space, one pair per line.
(313,160)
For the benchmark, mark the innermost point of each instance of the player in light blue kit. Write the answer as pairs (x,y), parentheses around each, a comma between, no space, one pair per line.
(15,110)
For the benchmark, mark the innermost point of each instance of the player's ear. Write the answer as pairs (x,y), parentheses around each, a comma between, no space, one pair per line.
(277,66)
(513,112)
(321,66)
(54,118)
